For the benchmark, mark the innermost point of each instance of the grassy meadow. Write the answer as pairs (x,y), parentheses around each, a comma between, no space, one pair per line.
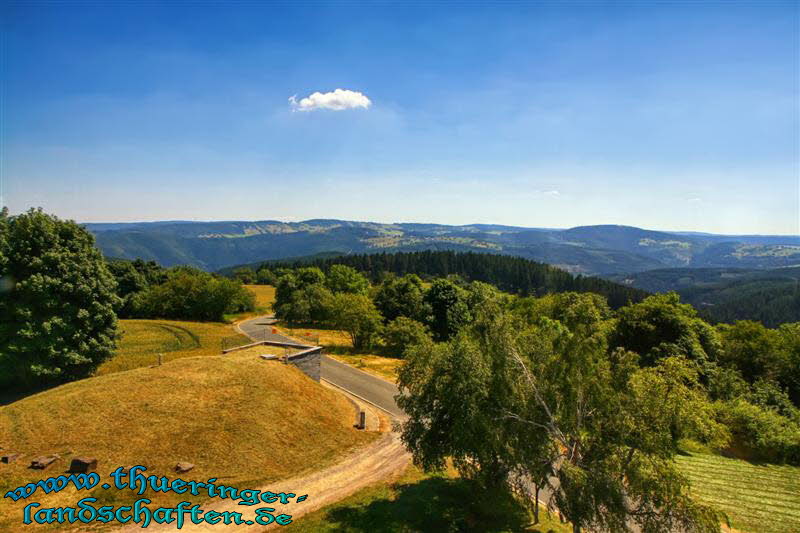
(757,498)
(265,297)
(141,341)
(238,418)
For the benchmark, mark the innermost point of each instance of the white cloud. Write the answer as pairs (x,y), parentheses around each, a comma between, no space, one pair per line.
(337,100)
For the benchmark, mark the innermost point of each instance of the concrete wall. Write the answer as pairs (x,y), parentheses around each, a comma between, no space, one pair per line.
(309,362)
(308,359)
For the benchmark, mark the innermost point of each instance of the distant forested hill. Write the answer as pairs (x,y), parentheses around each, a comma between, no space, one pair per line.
(511,274)
(590,250)
(728,294)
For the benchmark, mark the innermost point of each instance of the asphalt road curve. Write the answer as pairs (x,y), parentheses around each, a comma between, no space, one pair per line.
(370,388)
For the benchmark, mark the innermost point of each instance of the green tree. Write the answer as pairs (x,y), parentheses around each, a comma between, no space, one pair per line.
(402,296)
(401,334)
(57,319)
(547,403)
(265,276)
(341,278)
(449,308)
(753,349)
(357,315)
(661,326)
(789,343)
(191,294)
(245,275)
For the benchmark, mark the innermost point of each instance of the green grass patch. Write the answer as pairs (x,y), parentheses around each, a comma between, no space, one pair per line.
(757,498)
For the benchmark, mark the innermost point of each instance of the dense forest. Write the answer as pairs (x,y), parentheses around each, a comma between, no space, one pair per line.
(771,297)
(511,274)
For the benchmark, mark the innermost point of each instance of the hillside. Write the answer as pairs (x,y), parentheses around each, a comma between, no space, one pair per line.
(587,249)
(237,418)
(728,294)
(511,274)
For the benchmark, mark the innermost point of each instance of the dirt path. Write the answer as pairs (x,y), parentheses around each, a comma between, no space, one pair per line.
(365,466)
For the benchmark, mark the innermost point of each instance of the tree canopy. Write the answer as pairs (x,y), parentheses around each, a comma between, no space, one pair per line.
(57,319)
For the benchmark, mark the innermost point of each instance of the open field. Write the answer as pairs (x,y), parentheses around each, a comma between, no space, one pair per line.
(339,346)
(238,418)
(142,340)
(265,297)
(757,498)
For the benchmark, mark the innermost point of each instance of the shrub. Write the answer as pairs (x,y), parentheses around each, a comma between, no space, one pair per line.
(402,333)
(190,294)
(762,432)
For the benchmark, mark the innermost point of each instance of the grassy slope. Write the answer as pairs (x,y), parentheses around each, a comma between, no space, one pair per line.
(420,502)
(757,498)
(237,418)
(142,340)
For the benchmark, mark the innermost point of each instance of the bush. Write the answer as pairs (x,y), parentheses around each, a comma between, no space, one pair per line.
(402,333)
(190,294)
(762,432)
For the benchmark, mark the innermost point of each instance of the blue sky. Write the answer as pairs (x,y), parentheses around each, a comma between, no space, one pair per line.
(675,116)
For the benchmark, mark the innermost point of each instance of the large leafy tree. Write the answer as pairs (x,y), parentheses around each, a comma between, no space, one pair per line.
(57,320)
(661,326)
(357,315)
(342,278)
(550,404)
(402,296)
(449,308)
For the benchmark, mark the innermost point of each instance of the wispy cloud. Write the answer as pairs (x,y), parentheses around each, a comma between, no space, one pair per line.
(338,100)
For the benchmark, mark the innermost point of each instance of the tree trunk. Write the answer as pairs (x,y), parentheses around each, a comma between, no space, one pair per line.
(536,503)
(576,528)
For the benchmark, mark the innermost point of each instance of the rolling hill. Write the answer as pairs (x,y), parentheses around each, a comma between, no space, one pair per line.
(727,294)
(593,250)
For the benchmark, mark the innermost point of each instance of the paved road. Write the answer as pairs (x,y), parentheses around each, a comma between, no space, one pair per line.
(373,389)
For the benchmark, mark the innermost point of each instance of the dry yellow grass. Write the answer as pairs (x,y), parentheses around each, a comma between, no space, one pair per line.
(142,340)
(384,367)
(238,418)
(339,346)
(265,296)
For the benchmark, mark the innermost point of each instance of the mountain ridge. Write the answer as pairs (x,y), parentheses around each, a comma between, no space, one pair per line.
(590,250)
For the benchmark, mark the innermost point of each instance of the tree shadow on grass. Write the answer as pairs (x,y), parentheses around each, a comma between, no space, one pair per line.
(433,505)
(8,397)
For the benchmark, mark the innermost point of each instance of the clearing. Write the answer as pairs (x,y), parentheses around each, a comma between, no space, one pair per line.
(236,417)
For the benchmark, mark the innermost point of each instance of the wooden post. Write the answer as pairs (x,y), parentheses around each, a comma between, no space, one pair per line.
(362,419)
(160,359)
